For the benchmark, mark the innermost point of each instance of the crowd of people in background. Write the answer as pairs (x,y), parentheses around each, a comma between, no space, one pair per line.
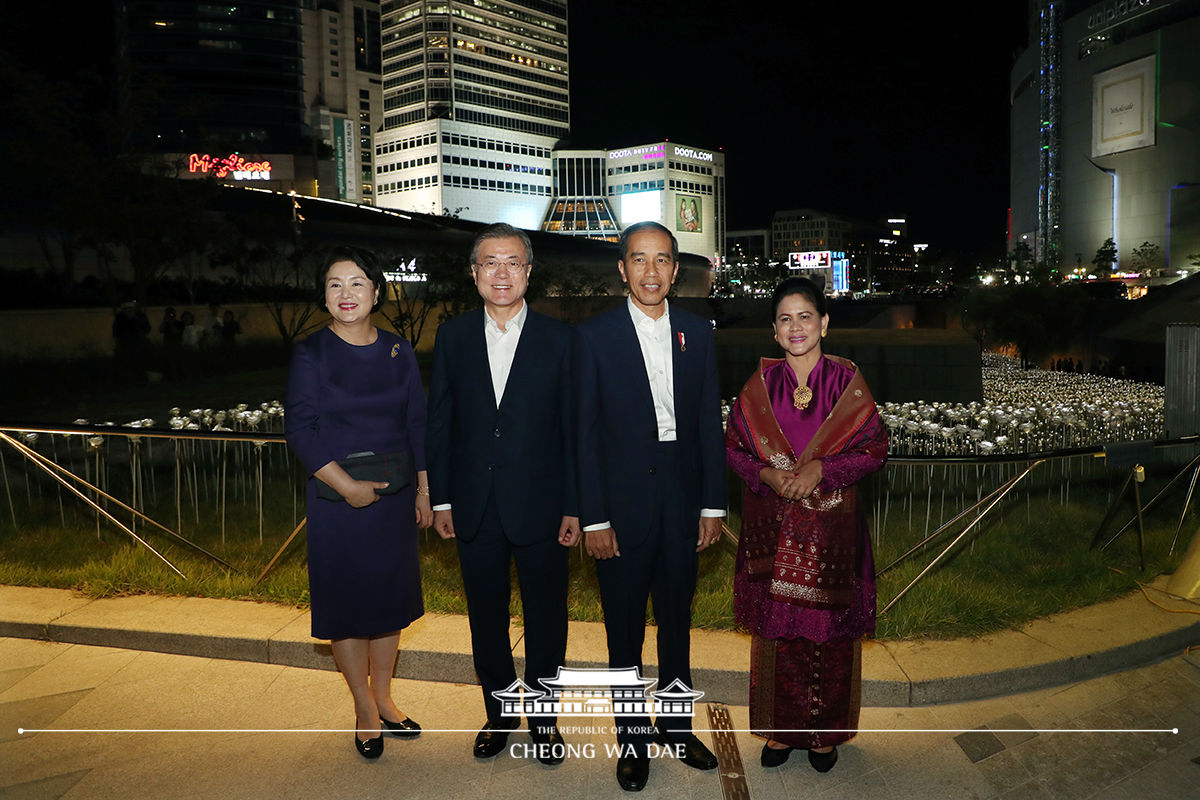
(179,335)
(1101,367)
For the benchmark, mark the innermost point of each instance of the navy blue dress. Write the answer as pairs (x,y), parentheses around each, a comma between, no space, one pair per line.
(363,570)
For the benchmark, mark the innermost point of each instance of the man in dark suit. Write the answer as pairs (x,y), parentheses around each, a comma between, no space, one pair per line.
(501,475)
(651,477)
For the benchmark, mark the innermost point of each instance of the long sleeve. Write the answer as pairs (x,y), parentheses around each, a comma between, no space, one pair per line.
(417,413)
(743,463)
(846,469)
(589,477)
(441,412)
(570,499)
(302,414)
(712,459)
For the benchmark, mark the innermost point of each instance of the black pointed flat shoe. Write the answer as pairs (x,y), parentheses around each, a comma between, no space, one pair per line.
(406,728)
(773,756)
(371,748)
(822,762)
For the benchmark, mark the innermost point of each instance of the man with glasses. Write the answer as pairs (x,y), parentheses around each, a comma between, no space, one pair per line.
(651,476)
(502,475)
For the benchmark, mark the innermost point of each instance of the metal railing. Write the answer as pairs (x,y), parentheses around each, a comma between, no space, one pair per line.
(118,474)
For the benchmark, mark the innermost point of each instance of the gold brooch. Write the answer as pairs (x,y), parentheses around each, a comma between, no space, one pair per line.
(801,397)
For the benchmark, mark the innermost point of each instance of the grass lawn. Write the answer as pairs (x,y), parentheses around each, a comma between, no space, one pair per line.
(1028,561)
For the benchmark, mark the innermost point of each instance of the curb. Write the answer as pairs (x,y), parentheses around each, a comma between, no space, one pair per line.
(1108,637)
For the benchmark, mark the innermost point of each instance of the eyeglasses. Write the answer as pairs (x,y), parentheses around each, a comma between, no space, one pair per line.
(492,267)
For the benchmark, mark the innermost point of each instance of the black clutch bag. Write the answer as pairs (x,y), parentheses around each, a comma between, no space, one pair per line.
(394,468)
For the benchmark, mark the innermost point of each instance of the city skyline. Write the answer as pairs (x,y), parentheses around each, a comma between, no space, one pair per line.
(895,113)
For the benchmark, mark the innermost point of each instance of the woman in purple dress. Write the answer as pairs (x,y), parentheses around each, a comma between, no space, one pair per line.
(803,432)
(353,389)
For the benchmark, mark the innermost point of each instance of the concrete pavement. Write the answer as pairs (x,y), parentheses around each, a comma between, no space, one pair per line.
(1036,752)
(1061,701)
(1119,634)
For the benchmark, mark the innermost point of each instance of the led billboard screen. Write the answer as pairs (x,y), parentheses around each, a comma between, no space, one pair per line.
(641,207)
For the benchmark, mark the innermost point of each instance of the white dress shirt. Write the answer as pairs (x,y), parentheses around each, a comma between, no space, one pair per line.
(654,337)
(501,347)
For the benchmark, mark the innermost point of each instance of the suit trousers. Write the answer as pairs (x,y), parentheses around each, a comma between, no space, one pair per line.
(486,563)
(662,568)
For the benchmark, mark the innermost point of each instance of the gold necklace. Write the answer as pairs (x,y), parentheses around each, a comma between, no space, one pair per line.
(801,397)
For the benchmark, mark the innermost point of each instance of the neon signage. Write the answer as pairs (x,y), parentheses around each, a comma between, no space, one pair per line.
(647,152)
(232,164)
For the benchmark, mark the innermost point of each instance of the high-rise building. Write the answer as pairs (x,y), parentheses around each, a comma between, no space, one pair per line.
(1103,145)
(217,77)
(681,187)
(475,97)
(343,93)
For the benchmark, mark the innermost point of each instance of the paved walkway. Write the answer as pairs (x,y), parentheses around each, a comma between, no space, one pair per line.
(1108,637)
(1060,699)
(70,686)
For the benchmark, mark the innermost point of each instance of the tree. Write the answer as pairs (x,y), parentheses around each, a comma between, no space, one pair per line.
(1147,258)
(277,264)
(978,308)
(1106,256)
(446,289)
(1020,256)
(574,287)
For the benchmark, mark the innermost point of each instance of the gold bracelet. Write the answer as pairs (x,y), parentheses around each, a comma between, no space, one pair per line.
(423,490)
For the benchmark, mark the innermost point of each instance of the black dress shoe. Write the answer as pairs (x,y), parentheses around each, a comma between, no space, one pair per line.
(632,772)
(371,748)
(773,757)
(550,747)
(822,762)
(404,729)
(491,740)
(695,754)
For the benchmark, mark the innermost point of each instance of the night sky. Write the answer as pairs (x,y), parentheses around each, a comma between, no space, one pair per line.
(864,109)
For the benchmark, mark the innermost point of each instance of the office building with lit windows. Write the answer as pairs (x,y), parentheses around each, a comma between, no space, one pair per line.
(682,187)
(845,253)
(475,98)
(223,84)
(579,206)
(343,93)
(1103,136)
(225,76)
(597,193)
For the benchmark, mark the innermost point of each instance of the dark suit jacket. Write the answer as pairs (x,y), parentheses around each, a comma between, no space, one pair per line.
(523,450)
(618,432)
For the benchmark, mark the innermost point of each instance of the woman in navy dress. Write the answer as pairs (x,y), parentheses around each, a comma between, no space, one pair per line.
(353,388)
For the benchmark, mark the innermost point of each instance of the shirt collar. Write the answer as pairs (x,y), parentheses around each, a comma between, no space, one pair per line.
(517,322)
(640,317)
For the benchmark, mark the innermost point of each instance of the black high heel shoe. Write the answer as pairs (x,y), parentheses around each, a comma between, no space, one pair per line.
(371,748)
(406,728)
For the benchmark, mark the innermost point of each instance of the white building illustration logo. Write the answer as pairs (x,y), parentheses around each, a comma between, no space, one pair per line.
(596,692)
